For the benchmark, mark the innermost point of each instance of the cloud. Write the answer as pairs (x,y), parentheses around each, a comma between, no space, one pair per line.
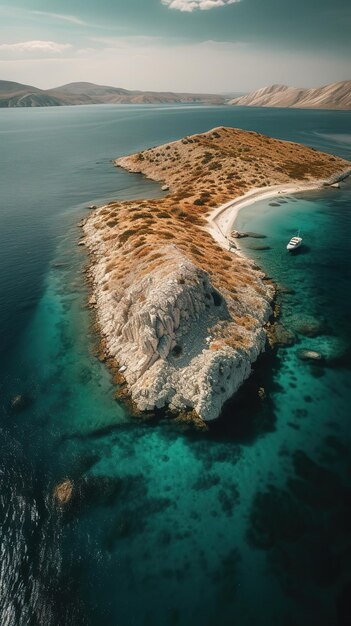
(130,40)
(35,47)
(59,16)
(208,66)
(192,5)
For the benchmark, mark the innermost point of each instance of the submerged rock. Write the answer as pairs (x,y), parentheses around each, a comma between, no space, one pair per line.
(88,491)
(20,402)
(262,393)
(255,235)
(309,355)
(258,247)
(63,492)
(333,348)
(309,327)
(275,518)
(279,335)
(289,291)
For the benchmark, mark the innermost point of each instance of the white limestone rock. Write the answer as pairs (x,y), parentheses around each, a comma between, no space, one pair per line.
(165,340)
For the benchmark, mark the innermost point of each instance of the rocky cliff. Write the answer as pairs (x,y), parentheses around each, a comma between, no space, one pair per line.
(167,331)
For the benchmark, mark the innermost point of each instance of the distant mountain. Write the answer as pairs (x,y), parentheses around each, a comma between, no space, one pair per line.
(334,96)
(17,95)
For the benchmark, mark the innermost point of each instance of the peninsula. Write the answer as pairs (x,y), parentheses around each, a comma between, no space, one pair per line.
(181,314)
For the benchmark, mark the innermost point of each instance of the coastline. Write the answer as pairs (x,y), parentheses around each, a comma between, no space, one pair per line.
(184,319)
(222,219)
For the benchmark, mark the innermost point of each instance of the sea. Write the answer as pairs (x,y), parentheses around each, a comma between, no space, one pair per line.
(246,524)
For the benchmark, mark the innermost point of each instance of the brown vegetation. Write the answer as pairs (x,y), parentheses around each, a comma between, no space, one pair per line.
(201,171)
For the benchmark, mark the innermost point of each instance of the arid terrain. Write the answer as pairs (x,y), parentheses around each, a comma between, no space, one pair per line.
(18,95)
(182,317)
(333,96)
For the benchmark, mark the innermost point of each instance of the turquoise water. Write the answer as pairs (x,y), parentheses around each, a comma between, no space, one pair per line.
(247,524)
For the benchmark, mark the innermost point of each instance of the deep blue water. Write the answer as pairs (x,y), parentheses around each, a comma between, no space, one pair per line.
(246,525)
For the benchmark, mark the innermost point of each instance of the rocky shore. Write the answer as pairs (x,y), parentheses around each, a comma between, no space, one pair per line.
(183,317)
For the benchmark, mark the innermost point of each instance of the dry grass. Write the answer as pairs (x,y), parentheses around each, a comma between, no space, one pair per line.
(201,171)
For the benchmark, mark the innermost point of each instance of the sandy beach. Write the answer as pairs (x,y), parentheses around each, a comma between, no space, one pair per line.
(222,219)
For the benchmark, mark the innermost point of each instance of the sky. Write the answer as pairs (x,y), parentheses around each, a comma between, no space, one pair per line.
(213,46)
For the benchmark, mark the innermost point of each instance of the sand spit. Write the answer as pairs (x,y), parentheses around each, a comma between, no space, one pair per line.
(184,318)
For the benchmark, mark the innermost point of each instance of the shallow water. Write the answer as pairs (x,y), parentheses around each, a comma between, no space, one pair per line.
(248,524)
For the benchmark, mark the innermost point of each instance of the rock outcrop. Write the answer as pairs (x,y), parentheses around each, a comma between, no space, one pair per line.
(168,330)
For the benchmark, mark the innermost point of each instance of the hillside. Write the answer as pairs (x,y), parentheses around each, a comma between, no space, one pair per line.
(333,96)
(182,318)
(18,95)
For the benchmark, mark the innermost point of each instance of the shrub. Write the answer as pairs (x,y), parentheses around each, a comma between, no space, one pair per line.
(155,256)
(208,156)
(195,250)
(123,237)
(215,166)
(163,215)
(194,219)
(143,215)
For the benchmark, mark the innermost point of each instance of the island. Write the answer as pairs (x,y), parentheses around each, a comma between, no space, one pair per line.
(182,314)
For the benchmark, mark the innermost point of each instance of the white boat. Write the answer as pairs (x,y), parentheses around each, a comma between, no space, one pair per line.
(294,242)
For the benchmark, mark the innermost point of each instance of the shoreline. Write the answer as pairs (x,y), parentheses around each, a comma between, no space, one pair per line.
(223,218)
(182,318)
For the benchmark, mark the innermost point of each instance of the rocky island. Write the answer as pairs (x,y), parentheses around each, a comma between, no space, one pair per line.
(181,313)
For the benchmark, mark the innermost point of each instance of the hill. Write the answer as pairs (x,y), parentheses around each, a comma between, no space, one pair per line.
(181,317)
(18,95)
(333,96)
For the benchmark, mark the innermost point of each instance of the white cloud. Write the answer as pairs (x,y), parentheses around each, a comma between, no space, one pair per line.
(36,47)
(130,40)
(60,16)
(192,5)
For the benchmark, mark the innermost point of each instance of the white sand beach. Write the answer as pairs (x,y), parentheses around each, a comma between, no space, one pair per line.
(222,219)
